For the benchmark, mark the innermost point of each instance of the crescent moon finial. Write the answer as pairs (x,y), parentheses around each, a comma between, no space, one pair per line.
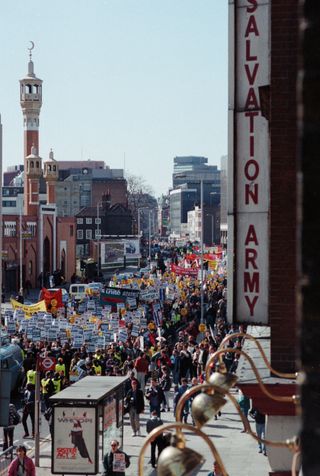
(30,49)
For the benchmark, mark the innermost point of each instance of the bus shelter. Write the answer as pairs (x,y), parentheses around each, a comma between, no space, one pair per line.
(81,412)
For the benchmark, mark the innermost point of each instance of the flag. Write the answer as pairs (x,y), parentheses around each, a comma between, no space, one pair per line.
(53,299)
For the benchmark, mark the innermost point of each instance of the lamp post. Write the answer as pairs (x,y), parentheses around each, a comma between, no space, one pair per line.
(1,226)
(201,254)
(212,228)
(98,236)
(150,211)
(20,250)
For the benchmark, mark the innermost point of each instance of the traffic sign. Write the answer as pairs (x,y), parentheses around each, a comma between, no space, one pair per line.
(48,363)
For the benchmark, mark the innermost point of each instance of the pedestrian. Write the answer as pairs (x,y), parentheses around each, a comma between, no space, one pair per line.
(47,389)
(142,365)
(165,383)
(8,431)
(179,391)
(155,396)
(28,410)
(48,414)
(244,404)
(216,470)
(115,461)
(134,402)
(175,362)
(153,422)
(22,465)
(260,420)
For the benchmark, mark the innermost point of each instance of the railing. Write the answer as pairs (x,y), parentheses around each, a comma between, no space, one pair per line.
(5,459)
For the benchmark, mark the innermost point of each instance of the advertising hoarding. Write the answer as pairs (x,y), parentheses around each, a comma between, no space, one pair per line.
(114,251)
(74,444)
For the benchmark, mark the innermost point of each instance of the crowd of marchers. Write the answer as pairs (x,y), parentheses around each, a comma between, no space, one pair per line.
(161,363)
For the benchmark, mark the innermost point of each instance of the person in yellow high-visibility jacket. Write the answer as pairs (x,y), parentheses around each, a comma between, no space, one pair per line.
(60,367)
(47,388)
(56,383)
(31,376)
(97,367)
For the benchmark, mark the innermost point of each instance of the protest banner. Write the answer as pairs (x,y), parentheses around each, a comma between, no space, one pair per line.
(30,309)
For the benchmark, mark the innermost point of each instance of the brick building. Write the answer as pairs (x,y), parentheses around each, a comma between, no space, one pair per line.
(103,219)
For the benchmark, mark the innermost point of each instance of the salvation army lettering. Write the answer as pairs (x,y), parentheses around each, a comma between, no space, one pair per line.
(251,140)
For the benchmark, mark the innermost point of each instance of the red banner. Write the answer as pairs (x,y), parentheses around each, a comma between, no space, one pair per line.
(53,299)
(184,271)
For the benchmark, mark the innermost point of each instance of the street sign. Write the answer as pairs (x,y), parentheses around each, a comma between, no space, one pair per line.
(47,363)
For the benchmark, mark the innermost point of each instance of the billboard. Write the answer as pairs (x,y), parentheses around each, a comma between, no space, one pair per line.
(249,162)
(114,251)
(74,443)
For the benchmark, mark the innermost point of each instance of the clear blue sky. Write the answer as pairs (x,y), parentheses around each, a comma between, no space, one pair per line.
(140,79)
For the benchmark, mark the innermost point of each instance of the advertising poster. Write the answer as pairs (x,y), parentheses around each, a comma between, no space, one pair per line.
(110,429)
(74,449)
(112,252)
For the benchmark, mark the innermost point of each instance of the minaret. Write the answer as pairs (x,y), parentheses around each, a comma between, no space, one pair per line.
(51,175)
(32,174)
(31,102)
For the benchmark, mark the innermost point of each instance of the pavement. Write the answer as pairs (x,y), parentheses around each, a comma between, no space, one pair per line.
(238,450)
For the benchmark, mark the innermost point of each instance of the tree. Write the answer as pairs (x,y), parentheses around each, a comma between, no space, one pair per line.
(140,200)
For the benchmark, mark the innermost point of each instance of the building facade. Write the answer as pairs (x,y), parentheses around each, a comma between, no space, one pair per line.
(92,223)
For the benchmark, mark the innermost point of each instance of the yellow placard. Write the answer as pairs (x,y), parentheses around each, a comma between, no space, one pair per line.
(202,327)
(29,309)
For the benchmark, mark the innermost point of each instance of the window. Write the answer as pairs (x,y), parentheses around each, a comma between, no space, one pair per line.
(71,230)
(89,221)
(79,251)
(80,221)
(31,227)
(79,234)
(9,228)
(89,234)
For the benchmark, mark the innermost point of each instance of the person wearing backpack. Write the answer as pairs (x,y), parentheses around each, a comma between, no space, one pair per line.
(8,431)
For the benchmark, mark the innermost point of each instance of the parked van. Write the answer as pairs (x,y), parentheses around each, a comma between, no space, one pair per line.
(78,291)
